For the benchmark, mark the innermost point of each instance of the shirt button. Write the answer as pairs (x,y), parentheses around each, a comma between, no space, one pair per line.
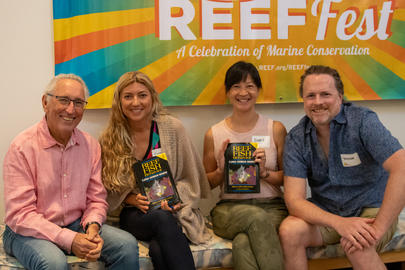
(65,196)
(64,175)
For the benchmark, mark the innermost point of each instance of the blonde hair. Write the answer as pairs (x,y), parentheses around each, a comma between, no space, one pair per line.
(116,144)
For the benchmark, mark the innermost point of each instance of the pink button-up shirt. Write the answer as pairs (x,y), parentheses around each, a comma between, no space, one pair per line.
(48,186)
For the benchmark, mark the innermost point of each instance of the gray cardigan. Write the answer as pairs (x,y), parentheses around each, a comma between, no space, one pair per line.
(188,173)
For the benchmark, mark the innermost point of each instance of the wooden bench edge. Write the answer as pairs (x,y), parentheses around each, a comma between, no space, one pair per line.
(343,262)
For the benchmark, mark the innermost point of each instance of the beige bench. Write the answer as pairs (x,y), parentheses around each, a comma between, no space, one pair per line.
(217,254)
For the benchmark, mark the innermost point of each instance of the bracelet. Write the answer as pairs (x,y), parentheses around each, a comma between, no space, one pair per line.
(90,223)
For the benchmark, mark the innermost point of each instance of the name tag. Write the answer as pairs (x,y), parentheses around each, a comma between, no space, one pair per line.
(262,141)
(350,160)
(156,152)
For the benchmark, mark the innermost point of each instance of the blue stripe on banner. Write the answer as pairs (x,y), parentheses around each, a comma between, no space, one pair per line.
(102,68)
(70,8)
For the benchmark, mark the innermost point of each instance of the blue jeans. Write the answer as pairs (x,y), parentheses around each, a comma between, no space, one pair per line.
(120,249)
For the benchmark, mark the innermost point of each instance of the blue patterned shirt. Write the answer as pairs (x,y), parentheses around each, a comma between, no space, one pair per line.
(352,176)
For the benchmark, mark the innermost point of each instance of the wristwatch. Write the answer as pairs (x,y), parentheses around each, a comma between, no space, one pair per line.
(89,223)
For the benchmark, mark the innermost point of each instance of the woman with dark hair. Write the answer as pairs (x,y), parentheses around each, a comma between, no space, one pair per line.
(139,129)
(251,220)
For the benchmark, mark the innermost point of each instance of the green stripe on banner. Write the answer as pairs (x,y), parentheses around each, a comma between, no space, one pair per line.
(189,86)
(110,63)
(398,35)
(285,87)
(70,8)
(382,80)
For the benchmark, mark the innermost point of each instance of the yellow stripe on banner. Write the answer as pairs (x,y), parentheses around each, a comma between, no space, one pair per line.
(102,99)
(350,90)
(84,24)
(211,90)
(154,69)
(387,60)
(399,14)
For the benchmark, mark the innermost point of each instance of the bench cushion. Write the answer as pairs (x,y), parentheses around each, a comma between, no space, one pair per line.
(216,253)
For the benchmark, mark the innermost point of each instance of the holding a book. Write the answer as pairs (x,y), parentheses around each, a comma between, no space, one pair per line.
(247,214)
(153,174)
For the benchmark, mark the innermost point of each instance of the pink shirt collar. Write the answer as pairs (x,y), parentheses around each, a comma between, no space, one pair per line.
(46,140)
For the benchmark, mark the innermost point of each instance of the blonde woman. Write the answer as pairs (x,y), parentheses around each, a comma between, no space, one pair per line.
(137,130)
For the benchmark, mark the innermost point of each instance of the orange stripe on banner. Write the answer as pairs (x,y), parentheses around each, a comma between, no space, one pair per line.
(269,87)
(361,86)
(220,97)
(68,49)
(221,11)
(171,75)
(214,86)
(392,49)
(261,27)
(399,4)
(258,11)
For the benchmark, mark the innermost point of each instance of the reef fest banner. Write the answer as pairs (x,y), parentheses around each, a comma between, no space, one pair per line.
(186,46)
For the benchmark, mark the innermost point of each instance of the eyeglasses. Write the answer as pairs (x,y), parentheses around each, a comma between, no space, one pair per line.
(64,100)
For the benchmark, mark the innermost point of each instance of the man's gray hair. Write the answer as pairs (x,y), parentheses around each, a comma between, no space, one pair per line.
(52,84)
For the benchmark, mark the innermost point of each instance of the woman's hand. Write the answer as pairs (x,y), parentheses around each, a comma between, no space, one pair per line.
(260,158)
(139,201)
(165,206)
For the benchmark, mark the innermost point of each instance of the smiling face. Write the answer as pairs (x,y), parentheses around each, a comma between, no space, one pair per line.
(243,95)
(136,102)
(63,119)
(322,101)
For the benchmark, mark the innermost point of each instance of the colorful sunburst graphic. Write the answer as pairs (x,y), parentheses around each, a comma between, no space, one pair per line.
(100,40)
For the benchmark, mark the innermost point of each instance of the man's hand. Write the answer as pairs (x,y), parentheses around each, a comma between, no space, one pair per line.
(93,236)
(88,246)
(357,233)
(82,247)
(348,246)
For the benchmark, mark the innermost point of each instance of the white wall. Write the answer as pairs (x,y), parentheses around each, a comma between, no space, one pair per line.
(26,65)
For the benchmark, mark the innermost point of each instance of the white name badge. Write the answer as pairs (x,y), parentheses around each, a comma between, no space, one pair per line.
(350,160)
(156,152)
(262,141)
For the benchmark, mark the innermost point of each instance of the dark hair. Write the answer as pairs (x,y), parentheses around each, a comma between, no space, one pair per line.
(319,69)
(238,72)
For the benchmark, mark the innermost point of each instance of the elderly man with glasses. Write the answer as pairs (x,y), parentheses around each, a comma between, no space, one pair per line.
(55,199)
